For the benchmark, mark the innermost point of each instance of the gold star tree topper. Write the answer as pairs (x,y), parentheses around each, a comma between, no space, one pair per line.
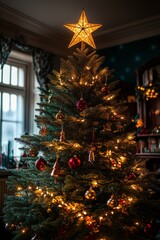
(82,31)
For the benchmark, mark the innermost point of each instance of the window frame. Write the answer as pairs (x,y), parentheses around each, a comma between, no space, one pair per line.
(25,61)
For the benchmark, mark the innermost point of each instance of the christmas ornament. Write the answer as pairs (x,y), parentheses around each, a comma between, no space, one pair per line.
(60,116)
(131,176)
(32,152)
(74,162)
(91,157)
(10,226)
(90,194)
(115,164)
(40,163)
(57,171)
(151,229)
(62,136)
(43,131)
(24,155)
(82,31)
(105,90)
(81,104)
(92,150)
(122,201)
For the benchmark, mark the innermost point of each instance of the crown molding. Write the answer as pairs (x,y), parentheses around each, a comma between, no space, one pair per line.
(37,34)
(128,33)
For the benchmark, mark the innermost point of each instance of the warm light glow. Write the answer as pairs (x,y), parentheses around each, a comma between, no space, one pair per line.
(60,148)
(130,137)
(82,31)
(100,218)
(108,153)
(76,145)
(84,212)
(23,231)
(38,191)
(79,215)
(130,199)
(94,183)
(136,187)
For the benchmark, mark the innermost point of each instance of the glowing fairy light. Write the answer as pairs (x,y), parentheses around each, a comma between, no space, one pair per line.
(94,183)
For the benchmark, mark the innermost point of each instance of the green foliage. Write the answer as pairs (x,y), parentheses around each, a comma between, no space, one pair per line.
(107,195)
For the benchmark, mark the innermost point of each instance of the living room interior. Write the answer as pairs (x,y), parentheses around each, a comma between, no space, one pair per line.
(34,42)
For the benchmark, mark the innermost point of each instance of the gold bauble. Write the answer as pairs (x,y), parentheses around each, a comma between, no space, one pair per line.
(33,152)
(60,116)
(43,131)
(90,194)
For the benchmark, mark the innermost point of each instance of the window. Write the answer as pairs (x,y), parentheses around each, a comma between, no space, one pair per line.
(17,86)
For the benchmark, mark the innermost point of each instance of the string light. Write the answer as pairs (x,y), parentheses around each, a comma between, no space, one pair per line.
(23,230)
(149,92)
(108,153)
(94,183)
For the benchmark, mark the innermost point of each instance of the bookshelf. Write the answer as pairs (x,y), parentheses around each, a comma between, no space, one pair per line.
(148,109)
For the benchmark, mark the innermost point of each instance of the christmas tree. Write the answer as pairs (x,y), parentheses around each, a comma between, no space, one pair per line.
(82,179)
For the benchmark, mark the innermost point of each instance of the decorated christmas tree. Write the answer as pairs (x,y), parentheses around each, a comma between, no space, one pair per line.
(82,179)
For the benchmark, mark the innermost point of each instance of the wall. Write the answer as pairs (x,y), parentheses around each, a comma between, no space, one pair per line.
(125,59)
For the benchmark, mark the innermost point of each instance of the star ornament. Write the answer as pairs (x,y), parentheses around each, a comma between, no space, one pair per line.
(82,31)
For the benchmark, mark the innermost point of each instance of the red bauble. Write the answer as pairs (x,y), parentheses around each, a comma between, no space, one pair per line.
(40,163)
(74,162)
(131,176)
(24,155)
(105,90)
(81,104)
(122,201)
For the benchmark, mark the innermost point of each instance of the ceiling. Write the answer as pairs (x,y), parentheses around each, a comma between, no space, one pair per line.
(41,21)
